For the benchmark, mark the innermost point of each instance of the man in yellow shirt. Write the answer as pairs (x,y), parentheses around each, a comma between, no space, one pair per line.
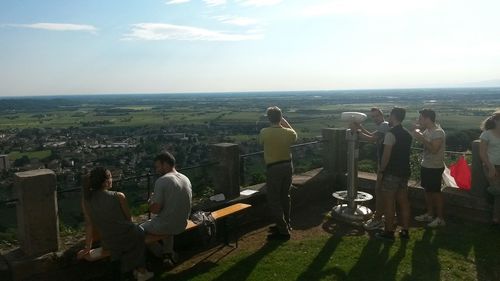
(276,140)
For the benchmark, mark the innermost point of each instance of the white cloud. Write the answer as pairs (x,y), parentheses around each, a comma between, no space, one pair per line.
(171,2)
(215,2)
(259,3)
(165,31)
(366,7)
(58,26)
(240,21)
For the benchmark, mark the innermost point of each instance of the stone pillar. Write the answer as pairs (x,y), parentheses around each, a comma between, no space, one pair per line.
(37,217)
(479,180)
(226,173)
(335,151)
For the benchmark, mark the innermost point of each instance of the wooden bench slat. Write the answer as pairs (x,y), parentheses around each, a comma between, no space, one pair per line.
(99,253)
(235,208)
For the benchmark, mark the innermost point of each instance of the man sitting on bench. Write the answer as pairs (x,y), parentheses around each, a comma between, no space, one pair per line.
(171,204)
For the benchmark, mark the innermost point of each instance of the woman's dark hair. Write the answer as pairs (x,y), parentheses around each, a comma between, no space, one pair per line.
(490,123)
(94,181)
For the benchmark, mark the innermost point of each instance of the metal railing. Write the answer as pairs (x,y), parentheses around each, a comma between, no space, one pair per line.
(415,159)
(149,176)
(9,201)
(251,154)
(446,151)
(117,183)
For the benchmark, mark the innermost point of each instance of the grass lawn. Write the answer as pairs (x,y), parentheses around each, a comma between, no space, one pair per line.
(457,252)
(40,154)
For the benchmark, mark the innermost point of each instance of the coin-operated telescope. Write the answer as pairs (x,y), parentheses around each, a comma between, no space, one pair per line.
(349,208)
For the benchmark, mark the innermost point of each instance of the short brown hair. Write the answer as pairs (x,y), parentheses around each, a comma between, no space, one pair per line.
(378,110)
(165,157)
(399,113)
(428,113)
(274,114)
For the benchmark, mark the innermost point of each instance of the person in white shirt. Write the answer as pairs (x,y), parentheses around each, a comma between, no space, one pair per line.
(489,151)
(433,138)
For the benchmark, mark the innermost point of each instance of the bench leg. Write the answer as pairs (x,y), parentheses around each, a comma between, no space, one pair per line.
(225,230)
(236,232)
(232,227)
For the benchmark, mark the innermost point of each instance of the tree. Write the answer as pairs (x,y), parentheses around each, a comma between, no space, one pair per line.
(22,161)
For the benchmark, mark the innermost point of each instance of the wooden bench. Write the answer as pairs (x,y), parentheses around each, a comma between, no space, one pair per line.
(100,253)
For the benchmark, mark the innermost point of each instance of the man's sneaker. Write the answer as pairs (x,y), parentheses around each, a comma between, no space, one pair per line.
(424,218)
(437,223)
(171,259)
(404,234)
(373,224)
(143,276)
(385,235)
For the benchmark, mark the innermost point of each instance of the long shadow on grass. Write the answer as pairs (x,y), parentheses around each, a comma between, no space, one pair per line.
(315,270)
(239,271)
(462,238)
(487,257)
(425,261)
(199,269)
(243,268)
(374,262)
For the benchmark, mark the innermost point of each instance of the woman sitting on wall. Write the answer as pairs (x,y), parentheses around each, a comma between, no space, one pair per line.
(489,150)
(108,212)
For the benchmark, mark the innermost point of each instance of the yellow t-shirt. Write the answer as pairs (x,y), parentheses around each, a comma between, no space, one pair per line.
(277,141)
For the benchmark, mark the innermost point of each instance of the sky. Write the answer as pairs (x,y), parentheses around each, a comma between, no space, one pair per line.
(55,47)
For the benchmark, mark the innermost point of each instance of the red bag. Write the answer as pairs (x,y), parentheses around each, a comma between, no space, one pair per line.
(460,171)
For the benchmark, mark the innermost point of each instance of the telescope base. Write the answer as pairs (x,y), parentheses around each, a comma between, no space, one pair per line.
(355,217)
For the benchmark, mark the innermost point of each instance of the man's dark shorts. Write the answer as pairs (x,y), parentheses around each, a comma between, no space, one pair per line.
(430,179)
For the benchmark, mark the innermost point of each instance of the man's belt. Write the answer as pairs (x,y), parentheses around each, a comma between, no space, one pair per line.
(278,163)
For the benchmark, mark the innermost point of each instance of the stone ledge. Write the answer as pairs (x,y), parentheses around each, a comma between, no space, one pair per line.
(458,203)
(308,187)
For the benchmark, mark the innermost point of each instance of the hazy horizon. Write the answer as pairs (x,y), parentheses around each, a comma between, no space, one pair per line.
(400,91)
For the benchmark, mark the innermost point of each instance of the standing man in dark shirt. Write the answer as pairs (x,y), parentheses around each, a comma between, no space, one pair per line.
(395,170)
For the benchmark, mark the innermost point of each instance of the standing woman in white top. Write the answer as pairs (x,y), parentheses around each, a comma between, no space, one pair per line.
(489,150)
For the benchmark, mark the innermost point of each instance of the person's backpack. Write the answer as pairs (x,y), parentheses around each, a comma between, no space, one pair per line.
(207,228)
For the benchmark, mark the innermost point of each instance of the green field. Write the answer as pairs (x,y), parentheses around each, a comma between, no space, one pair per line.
(41,154)
(456,108)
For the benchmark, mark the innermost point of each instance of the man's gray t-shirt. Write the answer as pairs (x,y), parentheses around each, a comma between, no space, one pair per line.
(173,192)
(434,160)
(382,129)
